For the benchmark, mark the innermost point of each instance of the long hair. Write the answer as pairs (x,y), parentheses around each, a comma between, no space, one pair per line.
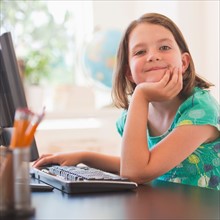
(124,88)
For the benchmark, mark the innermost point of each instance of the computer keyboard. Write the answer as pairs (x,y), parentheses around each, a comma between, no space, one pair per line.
(83,173)
(79,179)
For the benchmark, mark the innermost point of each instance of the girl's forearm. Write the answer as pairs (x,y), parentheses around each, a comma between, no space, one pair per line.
(135,153)
(105,162)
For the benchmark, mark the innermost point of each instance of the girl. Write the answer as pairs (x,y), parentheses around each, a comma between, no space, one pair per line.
(170,122)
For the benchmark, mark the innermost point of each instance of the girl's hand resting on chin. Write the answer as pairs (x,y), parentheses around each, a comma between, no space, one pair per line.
(166,89)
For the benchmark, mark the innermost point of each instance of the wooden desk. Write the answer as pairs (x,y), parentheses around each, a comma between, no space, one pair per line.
(158,200)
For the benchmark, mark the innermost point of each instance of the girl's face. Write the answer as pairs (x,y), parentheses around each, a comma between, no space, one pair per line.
(153,50)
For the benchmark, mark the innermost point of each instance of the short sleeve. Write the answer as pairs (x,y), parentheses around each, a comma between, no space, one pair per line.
(199,109)
(120,123)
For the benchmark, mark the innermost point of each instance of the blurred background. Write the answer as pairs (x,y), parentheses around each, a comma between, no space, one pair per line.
(66,52)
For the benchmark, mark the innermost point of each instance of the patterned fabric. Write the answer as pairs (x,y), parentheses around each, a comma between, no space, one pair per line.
(202,167)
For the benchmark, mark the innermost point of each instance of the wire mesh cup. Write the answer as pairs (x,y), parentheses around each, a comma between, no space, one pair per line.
(22,194)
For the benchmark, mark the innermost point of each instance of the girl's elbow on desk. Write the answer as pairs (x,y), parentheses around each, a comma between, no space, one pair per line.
(138,172)
(135,176)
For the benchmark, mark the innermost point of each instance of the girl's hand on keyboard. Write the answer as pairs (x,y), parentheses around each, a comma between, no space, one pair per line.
(93,159)
(63,159)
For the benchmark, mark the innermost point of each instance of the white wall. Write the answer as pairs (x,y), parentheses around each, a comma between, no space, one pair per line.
(198,20)
(201,30)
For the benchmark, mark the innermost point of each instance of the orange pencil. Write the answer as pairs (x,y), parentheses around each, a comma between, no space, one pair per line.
(21,122)
(18,133)
(25,125)
(30,131)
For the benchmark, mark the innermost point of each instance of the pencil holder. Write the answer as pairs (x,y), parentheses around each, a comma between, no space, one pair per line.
(22,194)
(6,183)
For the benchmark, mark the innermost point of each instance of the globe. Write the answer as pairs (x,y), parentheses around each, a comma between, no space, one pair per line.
(100,55)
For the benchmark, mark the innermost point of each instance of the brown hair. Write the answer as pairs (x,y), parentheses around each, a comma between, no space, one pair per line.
(123,88)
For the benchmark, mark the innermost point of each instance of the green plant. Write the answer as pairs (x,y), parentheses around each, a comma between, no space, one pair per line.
(36,67)
(42,42)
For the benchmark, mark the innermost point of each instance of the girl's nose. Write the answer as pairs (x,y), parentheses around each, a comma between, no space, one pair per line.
(153,56)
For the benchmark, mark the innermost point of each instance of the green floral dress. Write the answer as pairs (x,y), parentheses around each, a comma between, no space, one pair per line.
(202,167)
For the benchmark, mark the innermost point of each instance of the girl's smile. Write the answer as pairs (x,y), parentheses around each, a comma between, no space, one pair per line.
(155,68)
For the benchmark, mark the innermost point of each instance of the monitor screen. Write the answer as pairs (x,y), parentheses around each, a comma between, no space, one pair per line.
(12,95)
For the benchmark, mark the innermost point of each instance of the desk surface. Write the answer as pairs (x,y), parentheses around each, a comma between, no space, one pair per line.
(158,200)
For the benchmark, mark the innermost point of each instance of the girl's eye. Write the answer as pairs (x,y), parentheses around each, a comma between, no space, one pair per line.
(140,52)
(165,48)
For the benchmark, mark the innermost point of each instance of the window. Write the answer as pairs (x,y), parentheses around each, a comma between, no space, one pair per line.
(48,36)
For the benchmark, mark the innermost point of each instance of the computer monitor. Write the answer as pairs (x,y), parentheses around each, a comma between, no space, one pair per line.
(12,95)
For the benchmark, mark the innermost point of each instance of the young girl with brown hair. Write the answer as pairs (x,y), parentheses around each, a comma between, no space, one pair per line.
(170,122)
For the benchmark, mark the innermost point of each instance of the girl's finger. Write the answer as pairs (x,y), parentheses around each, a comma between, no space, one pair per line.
(165,80)
(42,156)
(177,83)
(173,79)
(43,160)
